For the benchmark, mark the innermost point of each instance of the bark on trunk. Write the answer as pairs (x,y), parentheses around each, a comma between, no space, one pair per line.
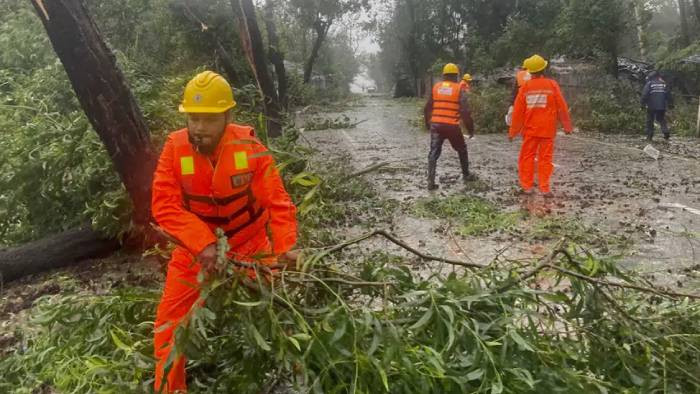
(56,251)
(696,8)
(104,96)
(321,29)
(640,30)
(227,63)
(275,54)
(252,44)
(685,31)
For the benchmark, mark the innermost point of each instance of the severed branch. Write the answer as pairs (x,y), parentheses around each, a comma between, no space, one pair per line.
(601,282)
(368,169)
(398,242)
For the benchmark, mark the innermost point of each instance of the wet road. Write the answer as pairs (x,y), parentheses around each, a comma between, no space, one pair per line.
(607,182)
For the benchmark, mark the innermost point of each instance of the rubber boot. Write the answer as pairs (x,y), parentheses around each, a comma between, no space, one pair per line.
(432,166)
(464,162)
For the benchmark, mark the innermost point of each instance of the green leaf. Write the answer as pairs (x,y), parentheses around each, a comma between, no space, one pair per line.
(302,336)
(382,374)
(259,339)
(475,374)
(118,342)
(497,387)
(294,342)
(306,179)
(249,304)
(423,320)
(522,344)
(340,331)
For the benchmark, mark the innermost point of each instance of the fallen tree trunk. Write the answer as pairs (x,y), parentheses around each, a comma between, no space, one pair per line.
(56,251)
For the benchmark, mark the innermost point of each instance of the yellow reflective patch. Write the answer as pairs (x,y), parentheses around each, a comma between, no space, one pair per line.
(187,165)
(241,160)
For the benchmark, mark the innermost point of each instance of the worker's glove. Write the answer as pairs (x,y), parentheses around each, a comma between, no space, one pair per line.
(509,116)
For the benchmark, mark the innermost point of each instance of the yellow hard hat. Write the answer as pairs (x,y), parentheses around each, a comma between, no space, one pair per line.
(450,68)
(208,92)
(535,64)
(467,77)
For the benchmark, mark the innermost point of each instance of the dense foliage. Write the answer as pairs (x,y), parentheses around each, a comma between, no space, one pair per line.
(54,171)
(379,327)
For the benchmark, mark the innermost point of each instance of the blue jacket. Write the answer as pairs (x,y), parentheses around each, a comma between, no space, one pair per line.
(656,95)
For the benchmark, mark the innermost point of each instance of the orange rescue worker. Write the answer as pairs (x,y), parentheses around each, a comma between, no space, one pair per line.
(521,77)
(446,106)
(465,85)
(538,106)
(214,173)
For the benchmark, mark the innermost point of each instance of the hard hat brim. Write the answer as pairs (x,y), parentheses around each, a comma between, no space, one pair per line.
(204,110)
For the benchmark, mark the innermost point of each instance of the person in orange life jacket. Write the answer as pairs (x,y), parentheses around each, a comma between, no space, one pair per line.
(465,83)
(446,106)
(538,106)
(521,76)
(214,173)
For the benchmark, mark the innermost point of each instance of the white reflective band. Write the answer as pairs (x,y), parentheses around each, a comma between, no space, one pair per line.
(445,90)
(536,100)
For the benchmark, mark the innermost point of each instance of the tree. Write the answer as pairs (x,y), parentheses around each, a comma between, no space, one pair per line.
(683,15)
(318,16)
(696,8)
(113,113)
(104,96)
(210,35)
(595,28)
(639,24)
(253,46)
(275,53)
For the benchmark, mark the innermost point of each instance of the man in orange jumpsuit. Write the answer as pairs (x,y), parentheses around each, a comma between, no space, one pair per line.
(213,173)
(538,106)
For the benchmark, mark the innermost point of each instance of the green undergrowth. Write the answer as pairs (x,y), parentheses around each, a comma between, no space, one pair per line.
(332,200)
(557,227)
(473,215)
(477,216)
(379,328)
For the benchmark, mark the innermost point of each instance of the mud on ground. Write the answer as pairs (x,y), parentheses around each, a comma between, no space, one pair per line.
(606,183)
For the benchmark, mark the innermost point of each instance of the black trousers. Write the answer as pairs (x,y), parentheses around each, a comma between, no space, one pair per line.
(659,116)
(438,134)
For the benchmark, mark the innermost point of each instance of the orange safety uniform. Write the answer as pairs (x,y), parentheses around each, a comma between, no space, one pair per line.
(238,189)
(464,86)
(446,103)
(538,106)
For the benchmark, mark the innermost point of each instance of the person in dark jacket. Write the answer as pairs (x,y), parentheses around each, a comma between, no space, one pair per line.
(656,98)
(446,106)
